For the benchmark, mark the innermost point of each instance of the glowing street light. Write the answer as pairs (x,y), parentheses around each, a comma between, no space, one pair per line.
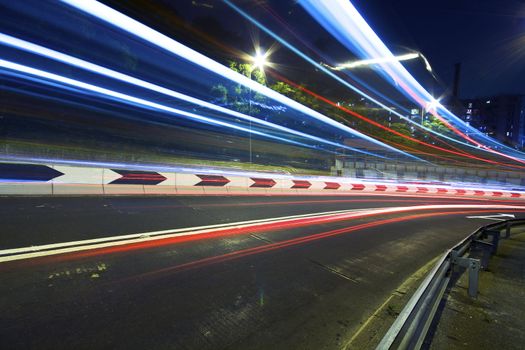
(378,60)
(433,104)
(260,59)
(430,106)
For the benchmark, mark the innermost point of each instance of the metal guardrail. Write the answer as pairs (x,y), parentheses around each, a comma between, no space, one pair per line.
(411,326)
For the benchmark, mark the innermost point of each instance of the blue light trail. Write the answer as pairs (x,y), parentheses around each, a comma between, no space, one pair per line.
(345,23)
(148,34)
(70,60)
(318,66)
(135,100)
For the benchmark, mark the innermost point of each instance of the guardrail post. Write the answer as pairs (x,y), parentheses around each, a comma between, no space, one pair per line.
(472,266)
(507,229)
(473,278)
(486,250)
(495,239)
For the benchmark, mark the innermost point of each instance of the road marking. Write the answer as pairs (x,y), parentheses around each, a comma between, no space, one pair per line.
(105,242)
(175,232)
(333,270)
(496,217)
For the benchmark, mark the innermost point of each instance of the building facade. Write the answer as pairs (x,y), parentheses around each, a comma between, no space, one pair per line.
(501,117)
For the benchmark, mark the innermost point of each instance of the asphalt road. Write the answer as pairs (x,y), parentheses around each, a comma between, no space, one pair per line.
(30,221)
(307,286)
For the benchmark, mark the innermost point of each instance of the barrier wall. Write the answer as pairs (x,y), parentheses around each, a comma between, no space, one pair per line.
(48,179)
(430,173)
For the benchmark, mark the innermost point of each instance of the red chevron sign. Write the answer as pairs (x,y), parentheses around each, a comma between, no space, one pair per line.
(332,186)
(381,188)
(136,177)
(212,180)
(301,184)
(402,189)
(262,183)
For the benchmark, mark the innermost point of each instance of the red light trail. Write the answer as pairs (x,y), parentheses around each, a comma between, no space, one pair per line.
(292,242)
(383,127)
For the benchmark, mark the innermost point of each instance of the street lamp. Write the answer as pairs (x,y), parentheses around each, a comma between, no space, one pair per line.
(431,106)
(379,60)
(259,60)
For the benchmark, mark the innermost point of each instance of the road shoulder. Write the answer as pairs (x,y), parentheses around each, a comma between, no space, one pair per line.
(495,319)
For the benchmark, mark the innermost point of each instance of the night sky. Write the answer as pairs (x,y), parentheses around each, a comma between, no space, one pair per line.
(486,36)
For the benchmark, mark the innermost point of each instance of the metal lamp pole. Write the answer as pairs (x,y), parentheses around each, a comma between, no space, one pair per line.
(250,113)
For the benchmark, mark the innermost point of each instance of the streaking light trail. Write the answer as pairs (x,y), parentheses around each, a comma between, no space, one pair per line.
(372,61)
(148,34)
(345,83)
(347,25)
(70,60)
(135,100)
(109,245)
(381,126)
(306,58)
(291,242)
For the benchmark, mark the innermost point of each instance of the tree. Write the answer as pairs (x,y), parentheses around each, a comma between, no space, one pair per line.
(250,71)
(220,93)
(296,94)
(237,96)
(435,124)
(282,88)
(403,129)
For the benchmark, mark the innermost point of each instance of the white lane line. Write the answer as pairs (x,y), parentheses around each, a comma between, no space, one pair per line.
(70,247)
(495,217)
(144,237)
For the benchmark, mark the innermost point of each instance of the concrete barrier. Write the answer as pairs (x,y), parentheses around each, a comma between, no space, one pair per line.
(48,179)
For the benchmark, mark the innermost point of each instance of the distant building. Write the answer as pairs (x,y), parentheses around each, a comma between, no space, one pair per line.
(501,117)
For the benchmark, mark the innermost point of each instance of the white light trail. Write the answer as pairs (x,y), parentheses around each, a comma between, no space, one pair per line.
(74,61)
(345,83)
(134,100)
(345,23)
(315,218)
(372,61)
(125,23)
(339,79)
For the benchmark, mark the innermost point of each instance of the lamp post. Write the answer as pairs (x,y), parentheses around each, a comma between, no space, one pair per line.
(258,62)
(379,60)
(431,107)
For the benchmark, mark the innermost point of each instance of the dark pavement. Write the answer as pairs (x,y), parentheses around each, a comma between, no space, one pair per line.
(493,320)
(30,221)
(300,288)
